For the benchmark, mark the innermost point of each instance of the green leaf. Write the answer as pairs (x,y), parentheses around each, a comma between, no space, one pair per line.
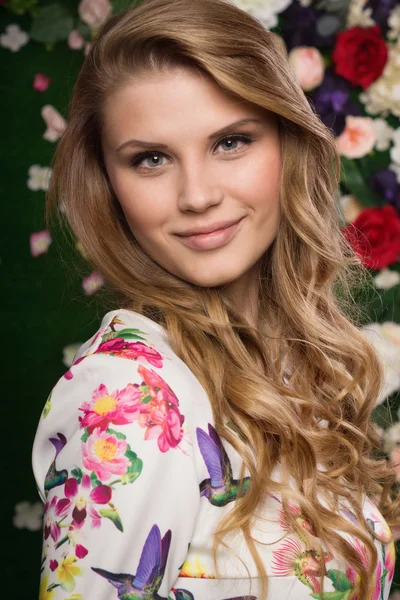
(332,596)
(47,406)
(53,23)
(133,471)
(130,454)
(118,434)
(339,580)
(352,179)
(131,334)
(146,399)
(85,436)
(95,481)
(20,7)
(77,473)
(110,512)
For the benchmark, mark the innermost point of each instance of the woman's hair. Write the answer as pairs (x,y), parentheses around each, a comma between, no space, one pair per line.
(318,426)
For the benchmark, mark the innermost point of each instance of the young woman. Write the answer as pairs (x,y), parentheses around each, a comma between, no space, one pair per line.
(212,440)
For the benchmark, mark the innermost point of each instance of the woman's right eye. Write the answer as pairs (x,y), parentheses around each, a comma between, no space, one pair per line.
(139,158)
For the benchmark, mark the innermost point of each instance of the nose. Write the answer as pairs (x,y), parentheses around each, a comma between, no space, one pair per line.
(199,188)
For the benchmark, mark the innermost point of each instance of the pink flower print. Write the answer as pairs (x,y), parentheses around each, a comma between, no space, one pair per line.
(119,407)
(163,422)
(292,559)
(295,510)
(390,561)
(69,374)
(41,82)
(163,419)
(133,350)
(153,380)
(81,496)
(104,454)
(353,576)
(54,511)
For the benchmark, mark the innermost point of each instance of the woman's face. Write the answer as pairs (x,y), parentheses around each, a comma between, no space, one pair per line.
(194,177)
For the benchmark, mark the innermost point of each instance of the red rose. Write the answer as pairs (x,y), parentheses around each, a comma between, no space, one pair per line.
(375,236)
(360,55)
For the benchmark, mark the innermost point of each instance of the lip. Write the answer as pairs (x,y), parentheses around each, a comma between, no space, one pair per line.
(213,239)
(208,229)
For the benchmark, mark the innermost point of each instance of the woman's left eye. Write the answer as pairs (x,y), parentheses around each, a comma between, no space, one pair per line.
(139,158)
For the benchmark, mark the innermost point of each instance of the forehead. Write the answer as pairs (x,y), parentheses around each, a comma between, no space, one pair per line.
(168,102)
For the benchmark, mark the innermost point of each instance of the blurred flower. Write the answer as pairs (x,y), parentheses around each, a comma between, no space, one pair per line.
(384,183)
(41,82)
(386,279)
(40,242)
(87,48)
(360,55)
(332,102)
(28,516)
(351,207)
(265,11)
(56,124)
(358,137)
(383,96)
(394,458)
(75,40)
(94,12)
(81,250)
(391,437)
(308,66)
(92,283)
(375,236)
(394,24)
(69,353)
(384,134)
(386,339)
(381,10)
(358,15)
(395,154)
(14,39)
(39,177)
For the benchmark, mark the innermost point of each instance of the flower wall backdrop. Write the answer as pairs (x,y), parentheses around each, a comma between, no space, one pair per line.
(346,56)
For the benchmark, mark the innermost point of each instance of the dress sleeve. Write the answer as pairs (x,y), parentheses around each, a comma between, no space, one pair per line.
(114,464)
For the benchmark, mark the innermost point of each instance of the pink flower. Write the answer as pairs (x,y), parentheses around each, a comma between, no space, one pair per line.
(308,66)
(40,242)
(94,12)
(358,137)
(53,512)
(88,45)
(82,496)
(41,82)
(132,350)
(395,461)
(119,407)
(75,40)
(92,283)
(69,374)
(56,124)
(104,454)
(163,420)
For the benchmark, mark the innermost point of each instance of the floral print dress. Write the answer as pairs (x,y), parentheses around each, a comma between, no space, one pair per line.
(135,478)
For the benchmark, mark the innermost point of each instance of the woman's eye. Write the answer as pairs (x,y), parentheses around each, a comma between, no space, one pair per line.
(148,155)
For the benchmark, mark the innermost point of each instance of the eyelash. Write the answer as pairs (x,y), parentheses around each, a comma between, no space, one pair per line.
(138,158)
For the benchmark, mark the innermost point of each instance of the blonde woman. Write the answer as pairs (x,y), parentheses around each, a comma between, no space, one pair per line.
(212,440)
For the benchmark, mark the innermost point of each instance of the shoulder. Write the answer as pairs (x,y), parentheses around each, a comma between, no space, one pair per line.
(124,379)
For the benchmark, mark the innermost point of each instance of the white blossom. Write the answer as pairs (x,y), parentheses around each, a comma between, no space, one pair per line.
(384,134)
(39,177)
(386,339)
(394,24)
(386,279)
(28,516)
(69,353)
(265,11)
(383,95)
(358,15)
(15,38)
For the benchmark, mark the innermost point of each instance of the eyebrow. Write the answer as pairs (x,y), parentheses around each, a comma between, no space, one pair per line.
(211,137)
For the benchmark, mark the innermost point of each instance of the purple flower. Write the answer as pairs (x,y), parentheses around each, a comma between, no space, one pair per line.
(385,184)
(299,28)
(332,102)
(381,10)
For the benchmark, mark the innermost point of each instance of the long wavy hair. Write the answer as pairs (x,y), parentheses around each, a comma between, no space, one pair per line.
(318,426)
